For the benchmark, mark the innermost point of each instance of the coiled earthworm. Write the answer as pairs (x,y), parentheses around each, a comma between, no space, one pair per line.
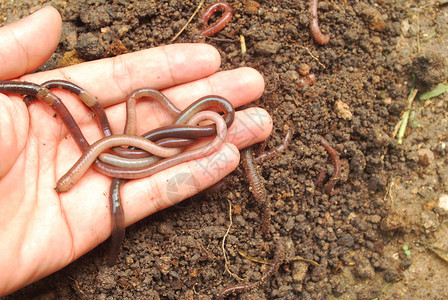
(227,14)
(318,36)
(182,130)
(279,258)
(89,156)
(337,168)
(74,174)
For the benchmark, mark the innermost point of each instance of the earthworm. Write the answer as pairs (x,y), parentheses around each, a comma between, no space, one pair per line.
(318,36)
(280,148)
(70,178)
(247,159)
(45,95)
(89,156)
(320,178)
(337,168)
(131,124)
(138,162)
(227,14)
(89,100)
(118,223)
(279,258)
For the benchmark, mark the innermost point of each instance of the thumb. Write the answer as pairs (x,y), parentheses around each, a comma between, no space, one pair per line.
(28,43)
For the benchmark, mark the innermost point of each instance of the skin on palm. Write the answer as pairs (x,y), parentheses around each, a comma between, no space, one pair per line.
(40,231)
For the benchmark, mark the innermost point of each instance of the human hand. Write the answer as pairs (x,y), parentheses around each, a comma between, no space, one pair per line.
(42,231)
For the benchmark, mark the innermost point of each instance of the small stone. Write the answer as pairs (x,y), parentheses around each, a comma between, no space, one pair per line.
(343,110)
(426,156)
(304,69)
(251,7)
(299,271)
(443,202)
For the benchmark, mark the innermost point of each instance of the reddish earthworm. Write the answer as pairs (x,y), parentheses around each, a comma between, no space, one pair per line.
(279,258)
(70,178)
(318,36)
(337,168)
(280,148)
(320,178)
(131,124)
(227,14)
(90,155)
(138,162)
(247,159)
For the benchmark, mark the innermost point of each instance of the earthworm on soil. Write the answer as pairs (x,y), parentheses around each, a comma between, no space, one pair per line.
(337,168)
(318,36)
(279,258)
(227,14)
(249,164)
(247,159)
(280,148)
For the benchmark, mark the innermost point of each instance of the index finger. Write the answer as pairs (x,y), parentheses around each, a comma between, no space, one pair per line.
(112,79)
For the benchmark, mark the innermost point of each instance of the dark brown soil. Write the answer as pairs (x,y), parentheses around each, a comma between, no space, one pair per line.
(389,193)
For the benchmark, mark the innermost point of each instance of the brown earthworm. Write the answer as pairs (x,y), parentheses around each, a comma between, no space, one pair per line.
(44,94)
(67,181)
(337,168)
(257,186)
(280,148)
(227,14)
(318,36)
(89,156)
(89,100)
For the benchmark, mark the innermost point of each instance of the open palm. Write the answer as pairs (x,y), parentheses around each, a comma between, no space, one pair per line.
(42,231)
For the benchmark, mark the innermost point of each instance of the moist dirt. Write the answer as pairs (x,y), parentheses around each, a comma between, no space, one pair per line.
(384,235)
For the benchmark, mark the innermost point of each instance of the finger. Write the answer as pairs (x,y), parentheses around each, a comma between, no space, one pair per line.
(28,43)
(13,131)
(113,79)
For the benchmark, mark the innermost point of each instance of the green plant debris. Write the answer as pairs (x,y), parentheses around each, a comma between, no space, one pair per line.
(405,119)
(440,89)
(406,250)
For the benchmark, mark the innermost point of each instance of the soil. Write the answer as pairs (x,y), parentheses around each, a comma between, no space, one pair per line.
(371,240)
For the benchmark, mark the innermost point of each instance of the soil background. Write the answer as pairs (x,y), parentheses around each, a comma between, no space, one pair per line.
(371,240)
